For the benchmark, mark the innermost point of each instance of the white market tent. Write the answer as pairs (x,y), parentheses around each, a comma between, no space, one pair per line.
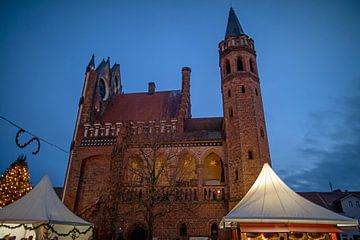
(270,205)
(41,206)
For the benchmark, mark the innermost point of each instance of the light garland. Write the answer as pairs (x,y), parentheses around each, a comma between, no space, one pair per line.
(73,233)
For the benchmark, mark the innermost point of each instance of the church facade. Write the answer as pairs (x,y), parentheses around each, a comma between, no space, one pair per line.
(228,152)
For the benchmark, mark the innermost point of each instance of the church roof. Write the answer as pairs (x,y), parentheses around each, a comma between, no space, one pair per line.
(233,27)
(143,107)
(204,124)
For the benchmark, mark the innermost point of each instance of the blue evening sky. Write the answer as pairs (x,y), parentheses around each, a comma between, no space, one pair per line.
(308,61)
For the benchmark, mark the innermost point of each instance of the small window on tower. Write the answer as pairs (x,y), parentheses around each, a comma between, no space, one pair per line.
(229,93)
(236,175)
(242,89)
(250,155)
(251,65)
(240,66)
(227,67)
(256,92)
(231,113)
(262,132)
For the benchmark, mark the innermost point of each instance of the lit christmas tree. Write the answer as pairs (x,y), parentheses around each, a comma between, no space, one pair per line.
(14,182)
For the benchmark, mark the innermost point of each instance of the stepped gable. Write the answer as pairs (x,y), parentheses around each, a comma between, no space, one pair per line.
(162,105)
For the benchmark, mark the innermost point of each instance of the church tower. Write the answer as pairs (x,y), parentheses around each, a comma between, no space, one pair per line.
(247,146)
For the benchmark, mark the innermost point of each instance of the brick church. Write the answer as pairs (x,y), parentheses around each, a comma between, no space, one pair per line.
(227,152)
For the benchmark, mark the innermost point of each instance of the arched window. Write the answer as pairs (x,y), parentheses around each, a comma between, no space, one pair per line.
(240,66)
(205,194)
(250,155)
(242,89)
(227,67)
(214,231)
(251,66)
(183,230)
(262,134)
(256,92)
(213,170)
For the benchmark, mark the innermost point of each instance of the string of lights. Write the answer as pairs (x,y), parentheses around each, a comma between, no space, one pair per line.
(41,139)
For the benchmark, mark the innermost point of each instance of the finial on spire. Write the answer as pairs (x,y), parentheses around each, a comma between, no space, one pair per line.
(233,27)
(91,64)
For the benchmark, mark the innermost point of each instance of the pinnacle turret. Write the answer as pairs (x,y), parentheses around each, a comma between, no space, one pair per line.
(91,64)
(233,27)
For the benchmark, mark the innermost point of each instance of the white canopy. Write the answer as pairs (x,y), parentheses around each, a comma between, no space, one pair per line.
(42,206)
(270,200)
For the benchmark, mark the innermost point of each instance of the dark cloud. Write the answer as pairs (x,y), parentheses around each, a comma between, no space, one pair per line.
(333,146)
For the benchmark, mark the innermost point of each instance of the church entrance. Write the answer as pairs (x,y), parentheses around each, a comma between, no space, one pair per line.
(138,233)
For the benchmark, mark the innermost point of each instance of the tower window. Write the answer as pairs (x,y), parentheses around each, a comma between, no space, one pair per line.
(236,175)
(231,113)
(256,92)
(229,93)
(251,66)
(240,66)
(350,204)
(242,89)
(227,67)
(250,155)
(262,132)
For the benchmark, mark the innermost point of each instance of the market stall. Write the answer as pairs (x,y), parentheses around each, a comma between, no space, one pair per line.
(41,213)
(270,207)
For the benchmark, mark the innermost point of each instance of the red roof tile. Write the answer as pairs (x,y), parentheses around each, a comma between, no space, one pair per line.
(203,124)
(143,107)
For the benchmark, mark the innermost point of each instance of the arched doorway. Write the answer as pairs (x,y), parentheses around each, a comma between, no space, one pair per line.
(214,232)
(138,233)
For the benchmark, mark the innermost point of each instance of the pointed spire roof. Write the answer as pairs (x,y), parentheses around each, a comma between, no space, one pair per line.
(233,27)
(270,200)
(91,64)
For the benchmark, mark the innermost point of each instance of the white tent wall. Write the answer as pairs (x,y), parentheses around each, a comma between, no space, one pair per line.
(20,232)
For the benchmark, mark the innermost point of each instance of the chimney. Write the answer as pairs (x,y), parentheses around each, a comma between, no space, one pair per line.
(151,89)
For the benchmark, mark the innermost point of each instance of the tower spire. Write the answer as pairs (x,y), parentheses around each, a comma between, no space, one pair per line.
(233,27)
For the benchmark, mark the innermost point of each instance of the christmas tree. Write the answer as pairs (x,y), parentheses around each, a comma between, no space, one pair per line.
(14,182)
